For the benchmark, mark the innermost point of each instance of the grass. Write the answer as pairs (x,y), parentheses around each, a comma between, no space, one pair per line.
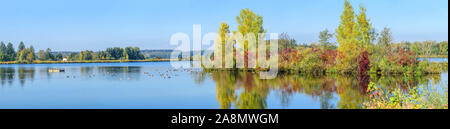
(89,61)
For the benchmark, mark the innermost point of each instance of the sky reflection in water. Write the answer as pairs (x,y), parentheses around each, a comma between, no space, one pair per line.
(157,85)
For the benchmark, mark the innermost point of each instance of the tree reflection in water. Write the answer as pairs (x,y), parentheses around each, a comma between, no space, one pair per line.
(244,90)
(8,74)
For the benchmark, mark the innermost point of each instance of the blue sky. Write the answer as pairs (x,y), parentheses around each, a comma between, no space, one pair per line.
(98,24)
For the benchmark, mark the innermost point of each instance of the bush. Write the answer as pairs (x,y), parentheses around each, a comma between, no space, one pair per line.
(415,98)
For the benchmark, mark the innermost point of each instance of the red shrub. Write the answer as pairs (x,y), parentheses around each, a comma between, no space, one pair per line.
(364,63)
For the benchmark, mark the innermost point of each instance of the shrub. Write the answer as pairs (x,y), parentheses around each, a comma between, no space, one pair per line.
(415,98)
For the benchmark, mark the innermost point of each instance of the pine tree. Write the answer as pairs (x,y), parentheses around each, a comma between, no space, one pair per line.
(10,52)
(3,55)
(21,46)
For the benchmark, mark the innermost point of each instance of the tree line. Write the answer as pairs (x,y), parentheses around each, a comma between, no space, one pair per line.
(115,53)
(23,55)
(27,55)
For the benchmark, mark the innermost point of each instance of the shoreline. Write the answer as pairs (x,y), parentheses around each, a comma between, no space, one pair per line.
(88,61)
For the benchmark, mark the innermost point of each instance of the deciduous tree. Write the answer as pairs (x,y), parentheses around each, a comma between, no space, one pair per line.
(346,36)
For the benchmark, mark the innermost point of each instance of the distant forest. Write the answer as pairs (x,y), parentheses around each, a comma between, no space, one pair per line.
(148,54)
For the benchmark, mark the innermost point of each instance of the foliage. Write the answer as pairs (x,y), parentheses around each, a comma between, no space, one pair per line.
(424,67)
(102,55)
(346,35)
(3,55)
(364,64)
(366,34)
(415,98)
(310,61)
(385,41)
(249,23)
(74,56)
(430,48)
(21,46)
(46,55)
(307,60)
(7,52)
(443,48)
(59,56)
(86,55)
(324,40)
(224,33)
(26,55)
(286,42)
(356,50)
(134,53)
(115,53)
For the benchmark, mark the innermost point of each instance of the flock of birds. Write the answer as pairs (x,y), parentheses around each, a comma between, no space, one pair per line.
(165,74)
(168,74)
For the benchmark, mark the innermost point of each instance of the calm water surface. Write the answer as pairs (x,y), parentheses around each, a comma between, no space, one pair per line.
(158,85)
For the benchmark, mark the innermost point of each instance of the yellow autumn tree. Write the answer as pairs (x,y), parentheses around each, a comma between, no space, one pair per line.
(346,35)
(366,32)
(222,42)
(249,22)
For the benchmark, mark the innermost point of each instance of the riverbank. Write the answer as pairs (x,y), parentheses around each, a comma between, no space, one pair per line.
(88,61)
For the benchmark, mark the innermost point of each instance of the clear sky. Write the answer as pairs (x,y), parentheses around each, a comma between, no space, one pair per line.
(97,24)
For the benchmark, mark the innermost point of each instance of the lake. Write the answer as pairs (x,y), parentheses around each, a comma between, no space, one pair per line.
(156,85)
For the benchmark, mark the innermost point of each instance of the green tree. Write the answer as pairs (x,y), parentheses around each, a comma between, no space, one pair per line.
(102,55)
(381,50)
(133,53)
(59,56)
(41,55)
(3,55)
(415,47)
(26,55)
(21,46)
(49,55)
(86,55)
(324,39)
(286,42)
(31,55)
(427,47)
(11,53)
(125,54)
(73,56)
(443,47)
(46,55)
(385,39)
(115,53)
